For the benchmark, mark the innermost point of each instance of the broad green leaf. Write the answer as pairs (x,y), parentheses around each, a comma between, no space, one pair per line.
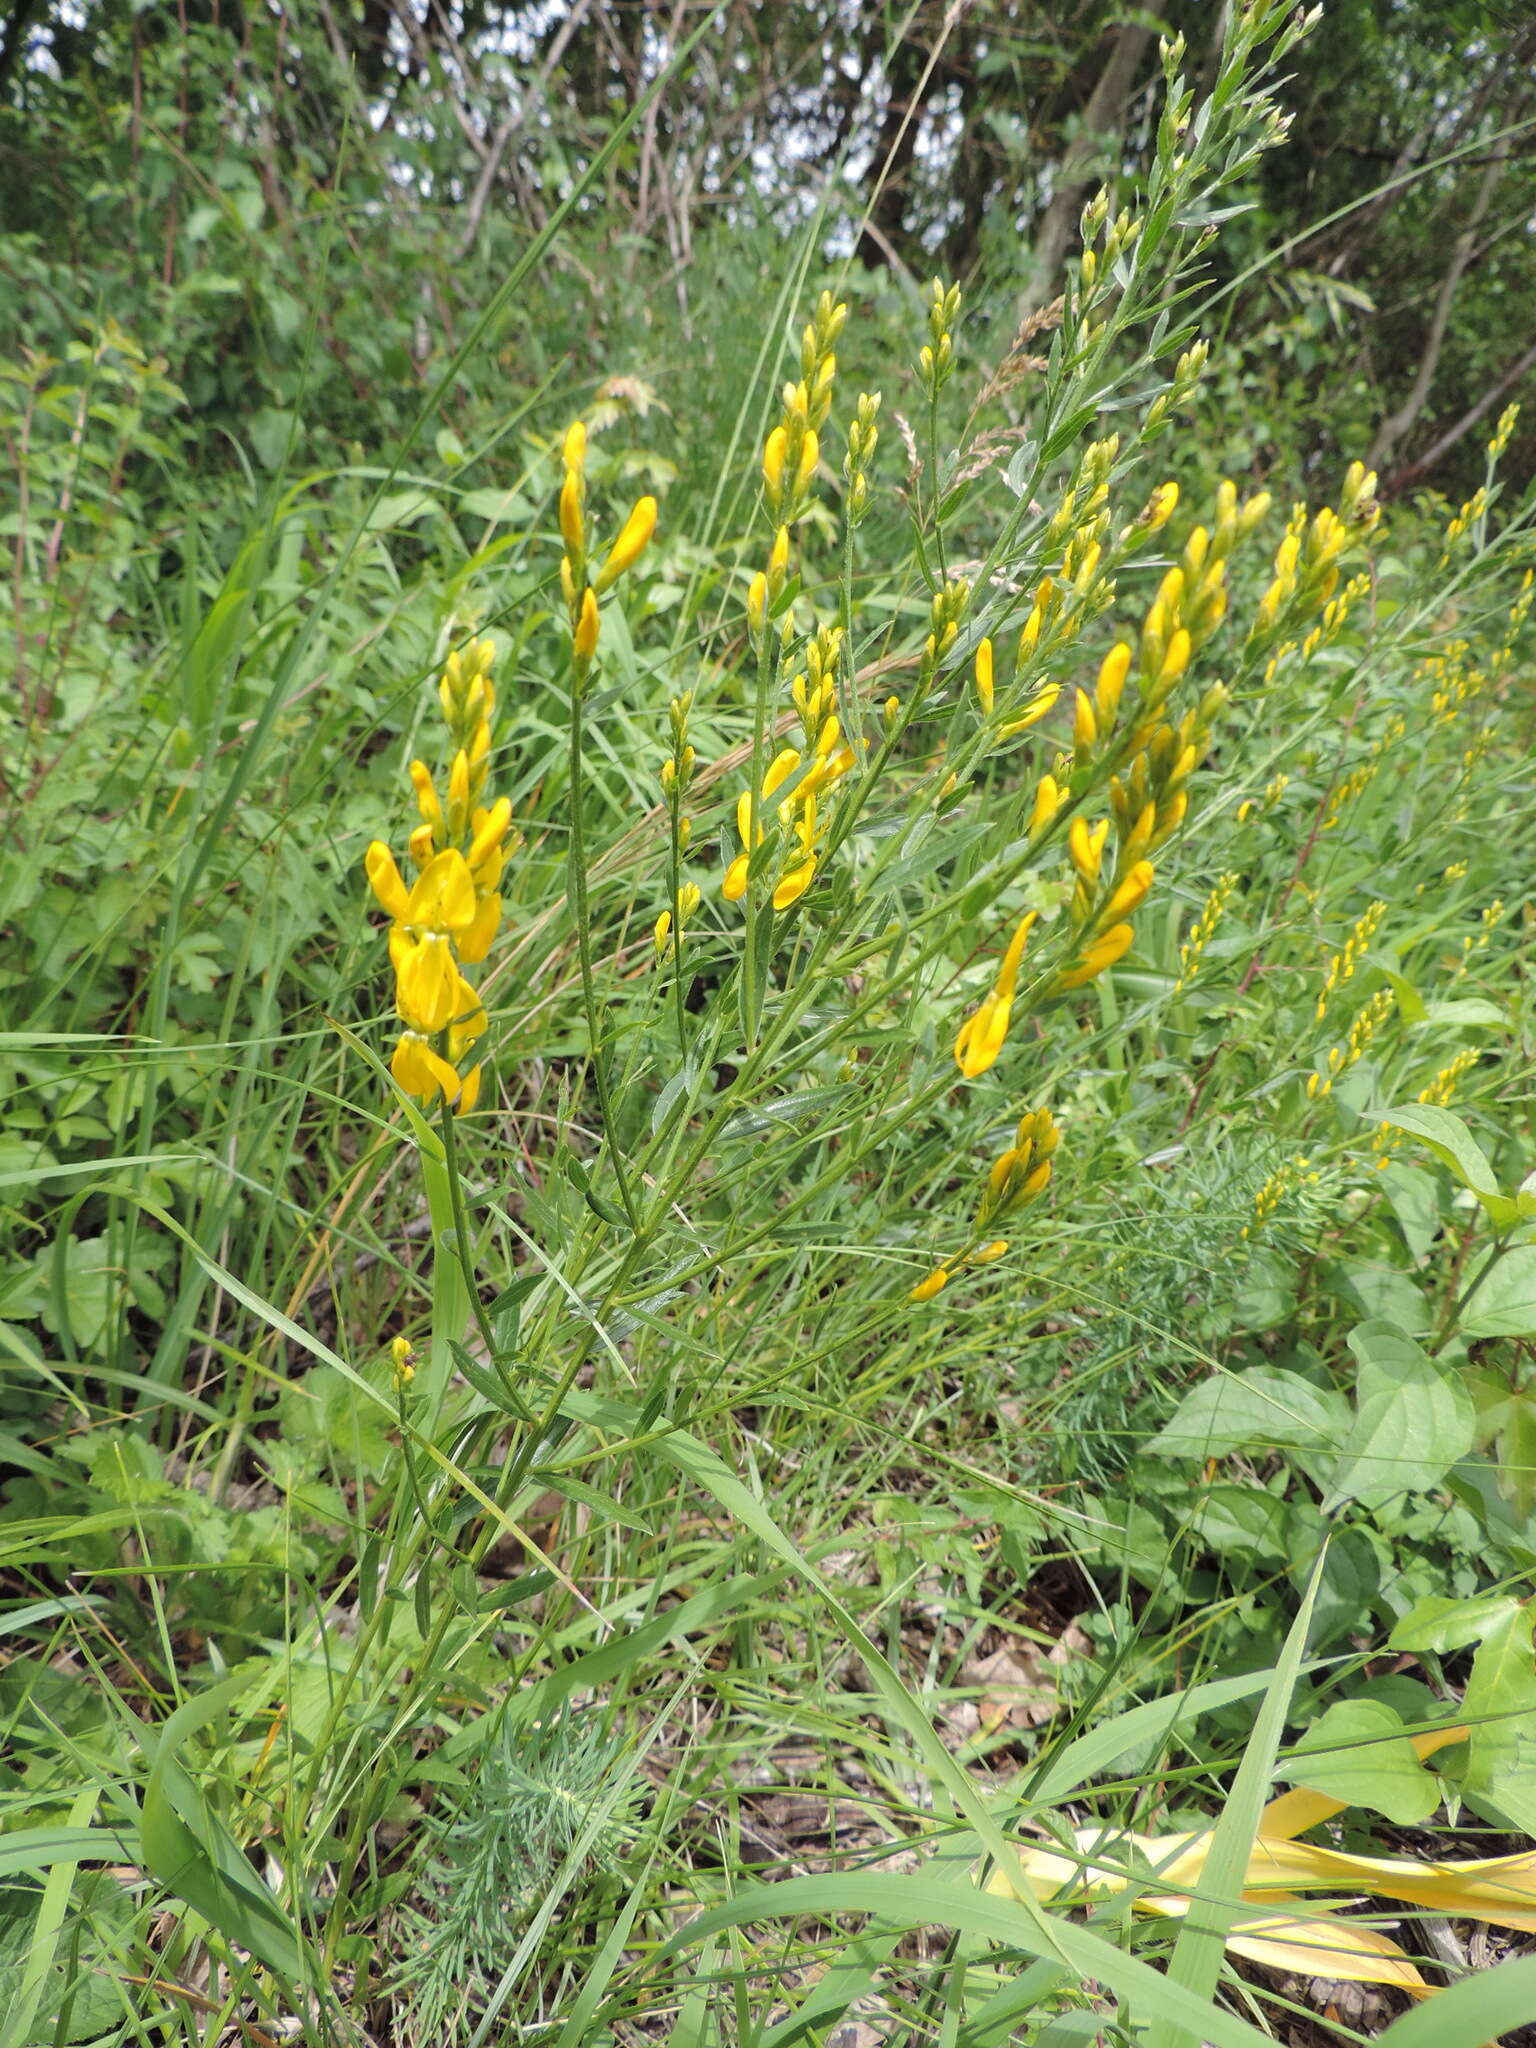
(1414,1419)
(1358,1753)
(1504,1305)
(1262,1407)
(1440,1623)
(1499,1707)
(1454,1145)
(1449,1139)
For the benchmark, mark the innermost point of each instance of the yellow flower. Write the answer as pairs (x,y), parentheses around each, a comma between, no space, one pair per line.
(585,638)
(935,1283)
(1102,953)
(634,538)
(423,1073)
(984,686)
(980,1038)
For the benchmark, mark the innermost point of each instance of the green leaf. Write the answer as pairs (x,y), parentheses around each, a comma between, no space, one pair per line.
(1504,1305)
(1440,1623)
(1454,1145)
(1359,1753)
(1413,1420)
(187,1848)
(1262,1407)
(1499,1707)
(1471,2012)
(1201,1944)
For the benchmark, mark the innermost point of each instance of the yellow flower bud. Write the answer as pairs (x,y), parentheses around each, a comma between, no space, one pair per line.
(774,451)
(757,603)
(810,454)
(584,640)
(988,1252)
(1113,671)
(572,526)
(1047,804)
(1175,659)
(984,686)
(574,448)
(936,1282)
(1085,728)
(1131,894)
(634,538)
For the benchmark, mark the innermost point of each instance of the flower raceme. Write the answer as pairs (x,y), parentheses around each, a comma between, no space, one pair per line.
(1018,1177)
(581,592)
(447,917)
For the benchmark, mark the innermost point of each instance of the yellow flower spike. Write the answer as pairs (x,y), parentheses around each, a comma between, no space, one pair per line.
(573,450)
(634,538)
(935,1283)
(1113,670)
(734,887)
(989,1252)
(427,799)
(1102,953)
(757,604)
(984,684)
(385,880)
(421,1072)
(573,528)
(584,639)
(1131,894)
(1048,801)
(1085,728)
(810,455)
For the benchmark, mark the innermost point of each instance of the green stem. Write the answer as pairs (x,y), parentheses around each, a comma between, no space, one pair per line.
(576,884)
